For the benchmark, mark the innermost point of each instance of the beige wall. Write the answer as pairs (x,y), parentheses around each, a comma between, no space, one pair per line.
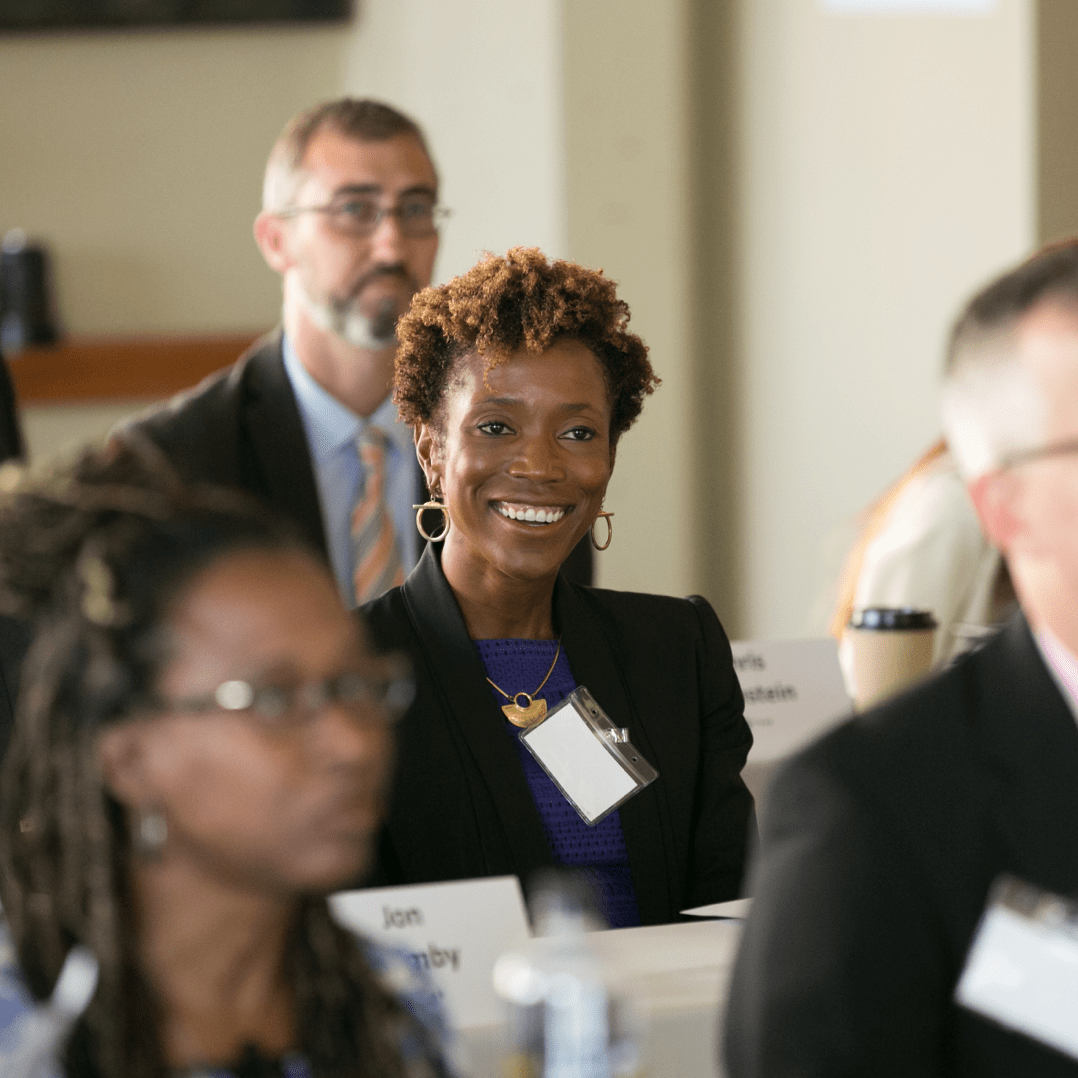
(137,158)
(483,77)
(885,169)
(1057,119)
(628,156)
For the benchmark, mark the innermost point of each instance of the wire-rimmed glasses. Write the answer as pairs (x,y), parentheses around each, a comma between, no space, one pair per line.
(418,216)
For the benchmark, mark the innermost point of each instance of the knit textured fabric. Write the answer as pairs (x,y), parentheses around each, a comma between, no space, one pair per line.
(599,850)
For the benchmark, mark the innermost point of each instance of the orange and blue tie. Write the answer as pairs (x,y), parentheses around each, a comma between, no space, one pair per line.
(375,557)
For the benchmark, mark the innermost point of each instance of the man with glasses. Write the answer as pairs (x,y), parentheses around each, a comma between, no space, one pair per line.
(880,842)
(349,220)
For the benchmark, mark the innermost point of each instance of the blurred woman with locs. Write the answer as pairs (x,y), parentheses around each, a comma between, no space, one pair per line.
(201,753)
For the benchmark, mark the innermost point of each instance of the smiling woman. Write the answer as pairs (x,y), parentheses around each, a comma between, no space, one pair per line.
(201,753)
(519,378)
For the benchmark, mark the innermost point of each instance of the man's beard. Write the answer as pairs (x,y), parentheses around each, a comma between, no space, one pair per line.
(344,319)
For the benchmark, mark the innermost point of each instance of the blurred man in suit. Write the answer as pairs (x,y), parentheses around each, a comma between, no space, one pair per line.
(350,221)
(881,841)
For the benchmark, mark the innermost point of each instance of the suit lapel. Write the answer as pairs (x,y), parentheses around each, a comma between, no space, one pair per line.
(1032,739)
(644,817)
(279,444)
(468,706)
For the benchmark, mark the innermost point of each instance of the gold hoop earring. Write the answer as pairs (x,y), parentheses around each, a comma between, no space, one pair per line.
(609,530)
(432,504)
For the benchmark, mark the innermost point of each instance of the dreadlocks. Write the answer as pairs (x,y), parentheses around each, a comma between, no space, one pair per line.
(94,561)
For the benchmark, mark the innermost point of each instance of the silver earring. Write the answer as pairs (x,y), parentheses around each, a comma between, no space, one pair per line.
(151,833)
(432,504)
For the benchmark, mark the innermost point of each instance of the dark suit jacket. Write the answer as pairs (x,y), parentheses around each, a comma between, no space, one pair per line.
(14,636)
(242,428)
(662,667)
(878,847)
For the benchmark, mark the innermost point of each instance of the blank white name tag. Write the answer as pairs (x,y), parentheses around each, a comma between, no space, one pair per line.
(589,758)
(1022,967)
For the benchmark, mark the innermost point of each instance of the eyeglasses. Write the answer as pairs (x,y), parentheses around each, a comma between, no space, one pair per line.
(294,705)
(1025,456)
(417,216)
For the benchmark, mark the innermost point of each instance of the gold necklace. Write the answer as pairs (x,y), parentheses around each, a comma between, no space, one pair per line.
(535,710)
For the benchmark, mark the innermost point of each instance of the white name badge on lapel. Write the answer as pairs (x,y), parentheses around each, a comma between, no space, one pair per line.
(588,758)
(1022,967)
(454,932)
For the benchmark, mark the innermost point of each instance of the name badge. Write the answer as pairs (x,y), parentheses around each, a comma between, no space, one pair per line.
(1022,967)
(588,757)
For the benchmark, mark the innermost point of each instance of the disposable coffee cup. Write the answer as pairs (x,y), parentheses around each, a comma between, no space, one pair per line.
(890,649)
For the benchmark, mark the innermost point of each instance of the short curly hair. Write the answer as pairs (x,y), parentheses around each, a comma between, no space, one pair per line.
(521,300)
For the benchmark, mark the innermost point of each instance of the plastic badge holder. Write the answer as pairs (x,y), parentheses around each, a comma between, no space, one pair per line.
(588,757)
(1022,967)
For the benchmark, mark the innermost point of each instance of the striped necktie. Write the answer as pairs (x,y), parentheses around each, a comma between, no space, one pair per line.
(375,556)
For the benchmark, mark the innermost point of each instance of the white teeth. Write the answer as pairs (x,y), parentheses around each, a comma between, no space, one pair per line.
(530,514)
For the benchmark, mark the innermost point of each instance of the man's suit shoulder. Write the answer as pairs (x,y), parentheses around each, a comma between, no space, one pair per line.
(199,429)
(916,769)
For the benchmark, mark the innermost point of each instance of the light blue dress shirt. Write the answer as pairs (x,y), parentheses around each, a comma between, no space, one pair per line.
(332,430)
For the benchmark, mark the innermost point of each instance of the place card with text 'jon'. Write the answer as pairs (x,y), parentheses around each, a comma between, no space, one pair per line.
(452,931)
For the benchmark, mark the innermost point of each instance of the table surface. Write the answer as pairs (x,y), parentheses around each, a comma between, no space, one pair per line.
(679,973)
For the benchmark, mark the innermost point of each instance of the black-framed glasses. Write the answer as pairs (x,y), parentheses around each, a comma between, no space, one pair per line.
(388,695)
(418,216)
(1026,456)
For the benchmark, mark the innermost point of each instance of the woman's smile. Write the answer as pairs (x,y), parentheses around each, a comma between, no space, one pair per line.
(530,514)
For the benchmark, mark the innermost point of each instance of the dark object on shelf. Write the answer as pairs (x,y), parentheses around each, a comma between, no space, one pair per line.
(70,14)
(12,446)
(25,307)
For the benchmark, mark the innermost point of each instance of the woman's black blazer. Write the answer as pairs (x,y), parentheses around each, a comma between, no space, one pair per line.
(460,806)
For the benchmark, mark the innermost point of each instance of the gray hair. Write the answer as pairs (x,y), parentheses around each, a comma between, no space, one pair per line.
(991,405)
(360,119)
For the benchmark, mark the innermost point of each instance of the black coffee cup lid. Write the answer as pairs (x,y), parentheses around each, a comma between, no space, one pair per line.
(892,617)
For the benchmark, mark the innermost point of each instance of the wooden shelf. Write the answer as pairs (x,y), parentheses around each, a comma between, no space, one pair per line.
(120,368)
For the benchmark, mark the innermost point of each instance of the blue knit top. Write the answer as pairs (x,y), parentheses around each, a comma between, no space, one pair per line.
(519,666)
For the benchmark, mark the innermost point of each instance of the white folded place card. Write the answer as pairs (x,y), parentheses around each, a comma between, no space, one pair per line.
(793,692)
(454,931)
(1022,967)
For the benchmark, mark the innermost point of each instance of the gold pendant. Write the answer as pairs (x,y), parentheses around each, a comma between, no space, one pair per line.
(525,716)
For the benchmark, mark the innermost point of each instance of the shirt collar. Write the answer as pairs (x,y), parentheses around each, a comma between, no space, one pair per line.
(331,424)
(1062,665)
